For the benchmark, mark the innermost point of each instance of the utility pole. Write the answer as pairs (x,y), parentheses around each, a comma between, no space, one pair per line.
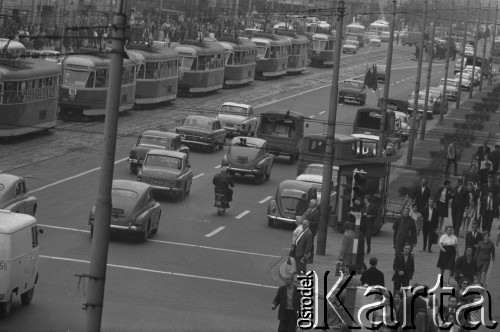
(463,56)
(485,40)
(476,39)
(387,82)
(330,137)
(100,241)
(447,64)
(494,32)
(429,74)
(413,131)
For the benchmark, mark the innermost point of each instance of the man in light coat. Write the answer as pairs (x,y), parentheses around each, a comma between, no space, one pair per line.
(452,156)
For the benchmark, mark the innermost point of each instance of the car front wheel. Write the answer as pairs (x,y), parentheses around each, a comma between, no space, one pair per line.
(26,297)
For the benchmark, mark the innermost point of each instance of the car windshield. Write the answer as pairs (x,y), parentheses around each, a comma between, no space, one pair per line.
(350,42)
(163,161)
(316,170)
(203,123)
(155,140)
(352,85)
(232,109)
(124,193)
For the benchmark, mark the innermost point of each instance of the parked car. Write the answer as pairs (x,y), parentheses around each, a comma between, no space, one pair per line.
(466,80)
(167,172)
(249,156)
(202,131)
(352,91)
(384,36)
(350,46)
(403,122)
(451,88)
(458,66)
(477,73)
(314,174)
(433,104)
(375,41)
(154,139)
(356,41)
(469,50)
(291,199)
(134,209)
(238,119)
(14,195)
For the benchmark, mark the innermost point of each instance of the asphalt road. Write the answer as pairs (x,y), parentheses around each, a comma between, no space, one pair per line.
(201,271)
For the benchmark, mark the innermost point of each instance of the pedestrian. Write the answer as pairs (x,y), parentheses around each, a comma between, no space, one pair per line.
(288,299)
(346,256)
(448,243)
(485,168)
(417,52)
(296,232)
(373,276)
(404,267)
(366,227)
(312,214)
(303,247)
(443,196)
(485,253)
(421,194)
(404,231)
(472,176)
(495,158)
(465,266)
(417,217)
(473,237)
(397,38)
(430,219)
(489,211)
(451,156)
(458,205)
(483,150)
(470,207)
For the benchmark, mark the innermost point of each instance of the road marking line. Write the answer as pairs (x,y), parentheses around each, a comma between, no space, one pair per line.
(215,231)
(397,82)
(73,177)
(125,267)
(265,199)
(322,112)
(175,243)
(242,214)
(197,176)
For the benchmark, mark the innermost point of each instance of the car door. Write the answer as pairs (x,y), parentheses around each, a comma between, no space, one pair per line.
(219,133)
(153,208)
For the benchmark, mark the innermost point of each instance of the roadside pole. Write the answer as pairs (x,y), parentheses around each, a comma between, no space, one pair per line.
(387,81)
(100,241)
(447,65)
(463,55)
(485,40)
(429,74)
(330,137)
(413,131)
(494,33)
(476,39)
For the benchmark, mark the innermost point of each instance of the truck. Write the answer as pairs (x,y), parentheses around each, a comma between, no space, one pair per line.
(411,38)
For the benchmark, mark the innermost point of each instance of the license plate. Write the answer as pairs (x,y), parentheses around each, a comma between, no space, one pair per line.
(116,211)
(242,159)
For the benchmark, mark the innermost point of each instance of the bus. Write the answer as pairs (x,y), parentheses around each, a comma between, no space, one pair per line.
(157,77)
(358,30)
(84,88)
(28,92)
(297,58)
(272,55)
(321,49)
(202,66)
(379,27)
(241,60)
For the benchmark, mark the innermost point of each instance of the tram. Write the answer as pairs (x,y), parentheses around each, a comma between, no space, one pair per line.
(241,60)
(202,66)
(321,51)
(85,83)
(157,77)
(358,30)
(379,27)
(28,92)
(272,54)
(297,57)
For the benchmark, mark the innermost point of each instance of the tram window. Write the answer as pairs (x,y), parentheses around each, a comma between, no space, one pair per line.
(263,52)
(101,78)
(128,75)
(10,92)
(90,80)
(76,79)
(187,63)
(150,70)
(140,73)
(232,59)
(202,63)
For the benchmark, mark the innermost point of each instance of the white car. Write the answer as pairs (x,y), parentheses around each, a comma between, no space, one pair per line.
(384,36)
(451,88)
(350,46)
(238,119)
(375,41)
(458,66)
(469,50)
(403,122)
(477,74)
(466,80)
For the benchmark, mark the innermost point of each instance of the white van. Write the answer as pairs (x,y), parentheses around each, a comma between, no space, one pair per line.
(19,258)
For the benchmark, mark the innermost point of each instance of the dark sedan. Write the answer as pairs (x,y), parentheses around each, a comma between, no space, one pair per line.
(352,91)
(202,131)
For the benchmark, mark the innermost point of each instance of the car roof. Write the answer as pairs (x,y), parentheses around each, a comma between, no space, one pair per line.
(310,178)
(321,165)
(228,103)
(400,114)
(295,184)
(139,187)
(11,222)
(8,179)
(194,116)
(339,137)
(366,136)
(251,140)
(168,153)
(159,133)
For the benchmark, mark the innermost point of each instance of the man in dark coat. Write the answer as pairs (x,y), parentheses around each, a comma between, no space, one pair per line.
(421,195)
(482,151)
(373,276)
(404,267)
(473,237)
(405,231)
(489,210)
(303,247)
(430,219)
(458,205)
(495,158)
(288,299)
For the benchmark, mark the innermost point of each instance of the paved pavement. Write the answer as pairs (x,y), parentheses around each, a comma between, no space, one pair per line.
(426,270)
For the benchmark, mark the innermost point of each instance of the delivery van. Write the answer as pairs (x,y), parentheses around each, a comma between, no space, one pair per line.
(19,258)
(411,38)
